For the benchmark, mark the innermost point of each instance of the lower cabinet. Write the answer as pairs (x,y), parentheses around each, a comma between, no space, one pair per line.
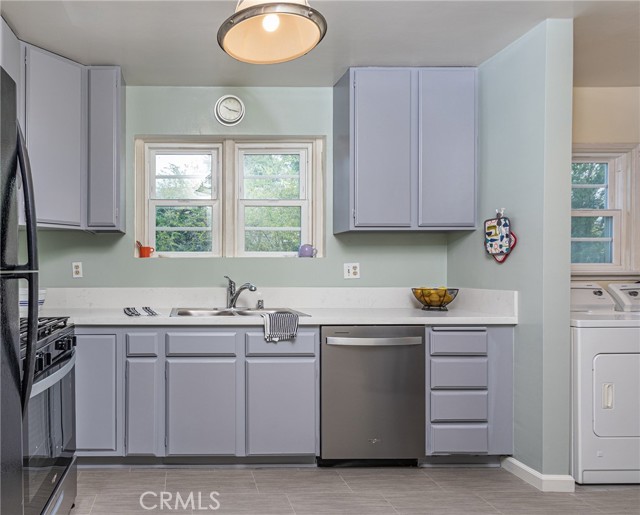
(281,405)
(201,406)
(99,385)
(282,394)
(202,398)
(144,382)
(469,373)
(196,392)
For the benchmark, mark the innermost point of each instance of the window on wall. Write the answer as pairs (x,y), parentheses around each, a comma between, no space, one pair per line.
(604,200)
(229,198)
(184,209)
(273,205)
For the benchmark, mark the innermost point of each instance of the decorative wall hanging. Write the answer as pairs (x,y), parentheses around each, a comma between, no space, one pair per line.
(499,239)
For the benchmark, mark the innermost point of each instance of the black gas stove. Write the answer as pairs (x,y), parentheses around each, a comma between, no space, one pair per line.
(55,333)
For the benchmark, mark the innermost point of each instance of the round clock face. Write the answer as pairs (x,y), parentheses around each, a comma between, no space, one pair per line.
(229,110)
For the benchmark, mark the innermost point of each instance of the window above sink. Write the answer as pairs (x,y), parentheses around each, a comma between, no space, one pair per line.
(229,198)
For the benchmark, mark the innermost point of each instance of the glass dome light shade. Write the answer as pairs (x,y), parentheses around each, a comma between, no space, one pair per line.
(243,36)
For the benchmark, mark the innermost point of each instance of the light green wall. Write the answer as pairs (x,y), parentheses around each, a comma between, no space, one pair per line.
(524,152)
(386,260)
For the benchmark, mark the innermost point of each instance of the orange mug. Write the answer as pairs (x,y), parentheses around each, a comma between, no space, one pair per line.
(146,252)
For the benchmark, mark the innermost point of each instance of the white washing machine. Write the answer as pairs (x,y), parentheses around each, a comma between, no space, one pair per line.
(605,381)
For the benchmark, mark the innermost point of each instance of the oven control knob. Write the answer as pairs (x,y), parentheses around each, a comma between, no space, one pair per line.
(39,362)
(64,344)
(47,359)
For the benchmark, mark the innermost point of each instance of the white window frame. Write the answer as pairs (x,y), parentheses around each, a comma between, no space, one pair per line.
(226,217)
(616,240)
(153,149)
(305,152)
(623,207)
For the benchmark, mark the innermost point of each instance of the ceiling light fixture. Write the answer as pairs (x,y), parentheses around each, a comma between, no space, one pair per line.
(263,32)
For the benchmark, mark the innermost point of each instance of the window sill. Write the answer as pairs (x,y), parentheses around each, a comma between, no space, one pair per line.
(586,275)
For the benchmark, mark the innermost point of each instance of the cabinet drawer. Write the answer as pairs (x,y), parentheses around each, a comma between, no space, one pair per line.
(459,438)
(142,344)
(302,345)
(459,372)
(201,344)
(458,342)
(459,406)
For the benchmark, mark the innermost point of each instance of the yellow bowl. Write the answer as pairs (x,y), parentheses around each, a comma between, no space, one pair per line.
(435,298)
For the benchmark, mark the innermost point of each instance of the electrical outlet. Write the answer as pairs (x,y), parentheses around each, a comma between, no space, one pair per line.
(76,270)
(352,270)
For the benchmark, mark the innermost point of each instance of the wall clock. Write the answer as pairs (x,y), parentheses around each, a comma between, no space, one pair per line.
(229,110)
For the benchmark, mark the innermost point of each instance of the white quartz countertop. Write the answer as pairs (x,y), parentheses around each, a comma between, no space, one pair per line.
(318,316)
(352,306)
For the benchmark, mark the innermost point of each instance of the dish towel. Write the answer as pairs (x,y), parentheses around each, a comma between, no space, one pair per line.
(280,326)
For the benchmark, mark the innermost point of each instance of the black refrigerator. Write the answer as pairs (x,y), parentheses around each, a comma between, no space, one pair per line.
(16,374)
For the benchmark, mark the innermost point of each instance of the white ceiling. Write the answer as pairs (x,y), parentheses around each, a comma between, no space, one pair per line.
(173,42)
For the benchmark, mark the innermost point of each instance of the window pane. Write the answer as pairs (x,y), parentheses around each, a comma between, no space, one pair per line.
(591,252)
(589,173)
(271,176)
(183,176)
(592,227)
(275,189)
(183,189)
(583,175)
(260,221)
(183,241)
(271,241)
(272,216)
(193,229)
(589,198)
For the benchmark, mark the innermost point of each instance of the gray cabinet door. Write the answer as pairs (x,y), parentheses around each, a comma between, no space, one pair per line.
(281,410)
(447,143)
(201,406)
(143,402)
(383,148)
(97,393)
(104,188)
(55,132)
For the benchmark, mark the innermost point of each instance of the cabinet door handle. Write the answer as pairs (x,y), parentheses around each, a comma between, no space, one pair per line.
(607,395)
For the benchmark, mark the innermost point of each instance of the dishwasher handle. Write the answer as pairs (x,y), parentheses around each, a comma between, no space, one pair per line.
(375,342)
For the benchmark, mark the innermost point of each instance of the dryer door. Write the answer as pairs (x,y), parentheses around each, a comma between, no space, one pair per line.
(616,395)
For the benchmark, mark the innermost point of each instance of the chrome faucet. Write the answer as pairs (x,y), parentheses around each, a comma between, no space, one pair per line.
(233,294)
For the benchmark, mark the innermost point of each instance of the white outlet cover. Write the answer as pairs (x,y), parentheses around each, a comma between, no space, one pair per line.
(352,271)
(76,269)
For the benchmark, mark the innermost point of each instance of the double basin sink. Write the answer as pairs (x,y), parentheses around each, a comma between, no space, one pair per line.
(229,312)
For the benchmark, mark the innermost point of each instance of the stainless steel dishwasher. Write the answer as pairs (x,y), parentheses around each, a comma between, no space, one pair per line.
(372,392)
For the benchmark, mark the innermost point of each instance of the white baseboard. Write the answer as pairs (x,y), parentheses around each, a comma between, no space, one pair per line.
(543,482)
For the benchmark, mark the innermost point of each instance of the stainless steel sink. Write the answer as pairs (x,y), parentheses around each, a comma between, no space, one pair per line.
(225,312)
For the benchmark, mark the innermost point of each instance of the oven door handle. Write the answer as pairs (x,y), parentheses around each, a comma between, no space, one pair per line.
(54,378)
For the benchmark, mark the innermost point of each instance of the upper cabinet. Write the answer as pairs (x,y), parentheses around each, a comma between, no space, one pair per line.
(405,149)
(74,123)
(105,187)
(55,99)
(9,52)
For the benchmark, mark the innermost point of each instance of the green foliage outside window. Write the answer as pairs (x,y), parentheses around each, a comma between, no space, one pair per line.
(185,218)
(268,176)
(590,191)
(586,174)
(272,176)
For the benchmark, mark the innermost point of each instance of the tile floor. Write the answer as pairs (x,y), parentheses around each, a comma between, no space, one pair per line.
(348,491)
